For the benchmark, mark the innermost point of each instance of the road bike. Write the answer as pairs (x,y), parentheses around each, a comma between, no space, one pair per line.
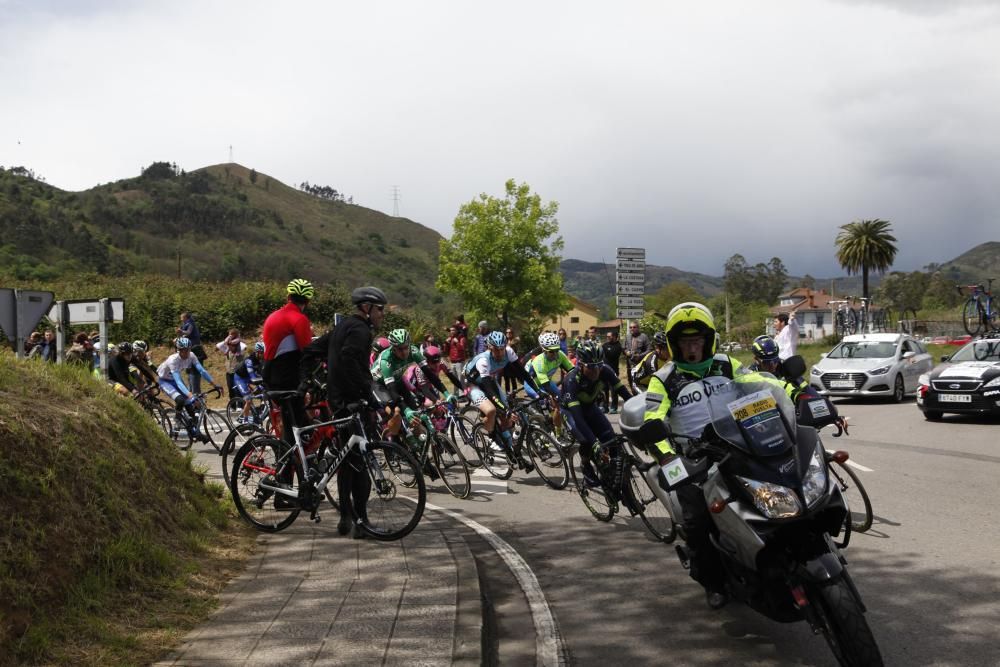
(259,408)
(151,403)
(979,312)
(438,456)
(273,482)
(622,483)
(207,423)
(499,458)
(845,320)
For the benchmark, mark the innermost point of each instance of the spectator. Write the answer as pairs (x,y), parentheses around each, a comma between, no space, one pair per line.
(34,340)
(563,343)
(509,375)
(461,327)
(234,351)
(454,347)
(636,344)
(189,329)
(429,341)
(479,344)
(45,350)
(612,348)
(787,336)
(592,333)
(81,352)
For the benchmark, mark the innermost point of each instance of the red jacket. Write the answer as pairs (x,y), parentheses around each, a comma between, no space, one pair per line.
(455,347)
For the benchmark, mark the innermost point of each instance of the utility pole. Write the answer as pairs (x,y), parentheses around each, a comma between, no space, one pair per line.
(230,153)
(395,201)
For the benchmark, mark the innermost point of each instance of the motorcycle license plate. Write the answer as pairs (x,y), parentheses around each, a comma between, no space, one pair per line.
(842,384)
(955,398)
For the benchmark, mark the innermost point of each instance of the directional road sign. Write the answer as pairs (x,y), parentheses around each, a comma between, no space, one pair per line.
(630,301)
(631,265)
(633,278)
(630,290)
(630,313)
(639,253)
(23,306)
(88,311)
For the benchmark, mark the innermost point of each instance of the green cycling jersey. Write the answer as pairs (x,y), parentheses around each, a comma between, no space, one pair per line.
(544,369)
(388,367)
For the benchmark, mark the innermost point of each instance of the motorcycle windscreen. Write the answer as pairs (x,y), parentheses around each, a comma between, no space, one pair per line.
(753,415)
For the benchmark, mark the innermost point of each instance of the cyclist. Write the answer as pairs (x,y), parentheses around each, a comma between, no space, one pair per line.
(143,372)
(118,373)
(169,374)
(390,366)
(415,377)
(378,346)
(651,361)
(286,333)
(482,372)
(544,366)
(350,381)
(582,390)
(247,374)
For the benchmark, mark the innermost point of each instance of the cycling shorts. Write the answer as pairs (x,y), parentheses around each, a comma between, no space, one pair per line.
(477,396)
(242,386)
(168,386)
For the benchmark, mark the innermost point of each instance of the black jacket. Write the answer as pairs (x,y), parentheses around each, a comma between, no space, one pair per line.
(348,376)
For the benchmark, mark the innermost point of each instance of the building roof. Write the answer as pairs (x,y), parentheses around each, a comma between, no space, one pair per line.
(805,300)
(586,307)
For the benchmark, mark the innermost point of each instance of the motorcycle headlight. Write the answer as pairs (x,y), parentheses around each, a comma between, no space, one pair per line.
(814,481)
(882,370)
(995,382)
(772,500)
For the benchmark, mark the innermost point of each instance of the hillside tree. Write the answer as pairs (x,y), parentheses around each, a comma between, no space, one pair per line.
(503,256)
(670,295)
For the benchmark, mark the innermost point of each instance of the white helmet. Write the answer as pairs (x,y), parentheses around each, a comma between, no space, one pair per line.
(548,341)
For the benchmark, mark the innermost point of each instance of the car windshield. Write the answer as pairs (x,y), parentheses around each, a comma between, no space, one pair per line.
(866,349)
(979,350)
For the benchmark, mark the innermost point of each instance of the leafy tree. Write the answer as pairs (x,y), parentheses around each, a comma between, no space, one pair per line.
(808,282)
(670,295)
(500,258)
(901,290)
(864,246)
(759,283)
(253,175)
(159,170)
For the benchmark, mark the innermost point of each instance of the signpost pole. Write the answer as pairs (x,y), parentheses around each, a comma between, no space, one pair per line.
(103,329)
(18,316)
(62,317)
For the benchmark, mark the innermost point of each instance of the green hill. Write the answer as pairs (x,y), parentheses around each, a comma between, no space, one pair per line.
(976,265)
(222,222)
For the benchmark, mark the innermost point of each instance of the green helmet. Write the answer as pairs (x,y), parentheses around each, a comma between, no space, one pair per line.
(399,337)
(301,287)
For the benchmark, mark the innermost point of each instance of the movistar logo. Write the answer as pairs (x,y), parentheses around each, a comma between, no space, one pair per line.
(674,472)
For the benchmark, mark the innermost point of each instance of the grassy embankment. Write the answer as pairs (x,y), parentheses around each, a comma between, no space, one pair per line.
(112,546)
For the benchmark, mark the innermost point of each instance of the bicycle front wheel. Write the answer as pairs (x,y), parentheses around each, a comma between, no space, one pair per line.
(215,427)
(236,439)
(234,409)
(654,515)
(260,466)
(460,431)
(159,415)
(972,317)
(451,466)
(496,459)
(860,507)
(548,458)
(594,498)
(392,509)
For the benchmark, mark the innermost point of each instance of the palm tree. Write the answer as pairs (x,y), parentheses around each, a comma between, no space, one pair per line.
(865,245)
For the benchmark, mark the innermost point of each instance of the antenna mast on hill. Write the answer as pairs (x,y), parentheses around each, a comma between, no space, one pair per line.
(230,153)
(395,201)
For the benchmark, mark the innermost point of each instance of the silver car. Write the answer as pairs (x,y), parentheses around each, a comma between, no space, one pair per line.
(885,364)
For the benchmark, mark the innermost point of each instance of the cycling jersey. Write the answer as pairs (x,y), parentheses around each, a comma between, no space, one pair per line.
(484,365)
(250,368)
(286,333)
(170,370)
(389,368)
(580,395)
(646,367)
(118,372)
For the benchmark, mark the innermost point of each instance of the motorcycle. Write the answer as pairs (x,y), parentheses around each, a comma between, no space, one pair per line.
(775,510)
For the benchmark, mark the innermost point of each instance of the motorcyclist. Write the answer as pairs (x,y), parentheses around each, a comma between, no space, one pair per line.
(691,341)
(811,408)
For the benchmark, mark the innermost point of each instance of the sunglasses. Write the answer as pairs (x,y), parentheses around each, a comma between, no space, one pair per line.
(591,366)
(380,308)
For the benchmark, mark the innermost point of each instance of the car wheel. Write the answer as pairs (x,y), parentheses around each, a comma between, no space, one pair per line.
(932,415)
(898,390)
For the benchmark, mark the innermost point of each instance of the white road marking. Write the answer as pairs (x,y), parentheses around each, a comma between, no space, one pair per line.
(858,466)
(548,643)
(484,482)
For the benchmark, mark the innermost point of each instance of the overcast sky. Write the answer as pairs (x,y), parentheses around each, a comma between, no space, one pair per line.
(695,129)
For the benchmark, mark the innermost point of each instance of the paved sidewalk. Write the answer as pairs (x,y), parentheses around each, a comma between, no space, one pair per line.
(311,597)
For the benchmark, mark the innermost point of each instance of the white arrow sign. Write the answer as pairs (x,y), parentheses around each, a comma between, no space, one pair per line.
(630,313)
(629,301)
(633,278)
(631,265)
(639,253)
(631,290)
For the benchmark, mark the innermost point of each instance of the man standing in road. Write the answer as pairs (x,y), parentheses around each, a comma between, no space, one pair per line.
(287,331)
(348,381)
(612,349)
(454,348)
(787,336)
(636,344)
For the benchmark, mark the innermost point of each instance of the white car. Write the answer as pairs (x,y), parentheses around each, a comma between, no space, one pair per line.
(884,364)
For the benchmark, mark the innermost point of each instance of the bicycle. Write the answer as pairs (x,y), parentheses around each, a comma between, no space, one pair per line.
(208,422)
(845,320)
(979,312)
(619,470)
(851,488)
(267,470)
(547,457)
(437,455)
(259,407)
(151,403)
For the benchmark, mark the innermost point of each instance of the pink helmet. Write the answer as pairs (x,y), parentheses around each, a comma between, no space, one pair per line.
(381,343)
(433,353)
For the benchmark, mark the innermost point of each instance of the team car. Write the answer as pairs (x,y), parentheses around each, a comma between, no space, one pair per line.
(967,382)
(882,364)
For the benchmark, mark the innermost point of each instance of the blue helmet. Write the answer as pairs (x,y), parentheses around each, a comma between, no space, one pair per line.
(496,339)
(258,347)
(183,343)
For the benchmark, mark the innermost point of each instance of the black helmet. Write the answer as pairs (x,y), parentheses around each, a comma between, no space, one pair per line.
(368,295)
(764,348)
(660,338)
(125,348)
(589,352)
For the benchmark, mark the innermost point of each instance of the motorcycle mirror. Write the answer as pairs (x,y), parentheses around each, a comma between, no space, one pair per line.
(794,366)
